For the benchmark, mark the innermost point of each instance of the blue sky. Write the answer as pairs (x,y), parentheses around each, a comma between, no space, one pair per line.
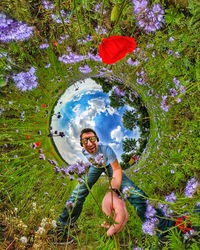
(88,107)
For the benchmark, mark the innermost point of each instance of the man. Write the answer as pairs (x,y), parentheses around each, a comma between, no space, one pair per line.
(111,202)
(91,148)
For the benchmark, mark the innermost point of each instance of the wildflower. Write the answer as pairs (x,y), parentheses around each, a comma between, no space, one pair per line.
(182,89)
(34,205)
(11,30)
(46,193)
(102,30)
(126,192)
(37,144)
(85,69)
(171,198)
(170,52)
(148,227)
(44,46)
(48,5)
(47,65)
(53,223)
(173,92)
(17,131)
(69,204)
(150,20)
(178,100)
(39,132)
(119,92)
(80,180)
(191,187)
(23,239)
(171,39)
(28,136)
(172,171)
(40,230)
(176,54)
(26,80)
(42,157)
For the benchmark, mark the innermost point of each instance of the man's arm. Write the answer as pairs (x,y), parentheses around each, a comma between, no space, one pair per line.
(117,175)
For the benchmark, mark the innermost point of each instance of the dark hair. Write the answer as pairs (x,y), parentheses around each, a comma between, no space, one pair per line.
(87,130)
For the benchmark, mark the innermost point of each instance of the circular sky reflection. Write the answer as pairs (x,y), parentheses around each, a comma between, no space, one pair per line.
(85,105)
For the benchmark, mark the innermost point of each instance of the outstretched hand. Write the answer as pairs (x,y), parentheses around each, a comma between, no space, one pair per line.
(120,212)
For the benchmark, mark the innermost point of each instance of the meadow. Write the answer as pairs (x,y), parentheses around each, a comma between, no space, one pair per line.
(45,47)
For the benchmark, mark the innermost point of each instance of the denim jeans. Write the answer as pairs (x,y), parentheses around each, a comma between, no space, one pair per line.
(136,199)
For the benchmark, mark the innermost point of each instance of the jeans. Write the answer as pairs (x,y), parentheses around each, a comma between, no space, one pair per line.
(135,199)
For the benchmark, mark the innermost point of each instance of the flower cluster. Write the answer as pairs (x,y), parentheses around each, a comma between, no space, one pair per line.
(148,227)
(148,19)
(56,18)
(80,169)
(48,5)
(71,58)
(26,80)
(191,187)
(85,69)
(11,30)
(98,161)
(150,211)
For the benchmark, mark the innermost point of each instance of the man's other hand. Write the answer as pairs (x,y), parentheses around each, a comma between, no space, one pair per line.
(120,212)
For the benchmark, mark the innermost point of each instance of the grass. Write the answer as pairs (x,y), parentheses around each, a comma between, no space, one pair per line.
(174,135)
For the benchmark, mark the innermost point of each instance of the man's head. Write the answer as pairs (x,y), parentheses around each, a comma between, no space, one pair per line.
(89,140)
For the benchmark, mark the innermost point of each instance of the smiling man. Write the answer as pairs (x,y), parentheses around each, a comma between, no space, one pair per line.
(91,148)
(112,201)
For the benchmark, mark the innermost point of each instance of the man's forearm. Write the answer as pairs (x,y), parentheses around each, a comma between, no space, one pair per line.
(116,179)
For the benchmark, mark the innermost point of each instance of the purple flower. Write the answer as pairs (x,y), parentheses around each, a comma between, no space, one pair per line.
(171,198)
(176,54)
(44,46)
(69,204)
(173,92)
(171,39)
(56,18)
(46,193)
(85,69)
(170,52)
(150,20)
(80,180)
(26,80)
(11,30)
(191,187)
(119,92)
(71,58)
(150,211)
(126,192)
(47,65)
(48,5)
(148,227)
(102,31)
(42,157)
(182,89)
(177,82)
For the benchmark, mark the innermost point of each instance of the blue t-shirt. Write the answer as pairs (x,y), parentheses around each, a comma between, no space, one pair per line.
(109,155)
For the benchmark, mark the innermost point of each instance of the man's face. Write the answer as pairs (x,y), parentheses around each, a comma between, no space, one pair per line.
(90,147)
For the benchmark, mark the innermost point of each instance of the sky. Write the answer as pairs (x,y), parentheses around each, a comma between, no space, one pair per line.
(85,105)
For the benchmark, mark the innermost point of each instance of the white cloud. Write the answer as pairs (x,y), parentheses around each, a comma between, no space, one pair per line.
(70,148)
(117,134)
(76,108)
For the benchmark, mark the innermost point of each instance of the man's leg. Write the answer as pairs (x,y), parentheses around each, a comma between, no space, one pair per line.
(78,196)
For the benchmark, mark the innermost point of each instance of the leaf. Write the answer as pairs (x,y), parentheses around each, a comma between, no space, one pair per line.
(2,83)
(114,13)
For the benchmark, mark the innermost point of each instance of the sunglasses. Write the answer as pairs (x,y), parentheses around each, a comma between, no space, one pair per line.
(85,140)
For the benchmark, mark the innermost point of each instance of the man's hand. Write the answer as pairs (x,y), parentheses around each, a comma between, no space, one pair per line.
(120,212)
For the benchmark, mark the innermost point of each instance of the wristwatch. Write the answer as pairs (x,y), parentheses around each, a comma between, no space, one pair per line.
(116,191)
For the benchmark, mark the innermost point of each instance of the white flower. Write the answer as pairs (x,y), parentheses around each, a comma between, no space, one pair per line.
(24,239)
(54,225)
(41,230)
(34,205)
(15,209)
